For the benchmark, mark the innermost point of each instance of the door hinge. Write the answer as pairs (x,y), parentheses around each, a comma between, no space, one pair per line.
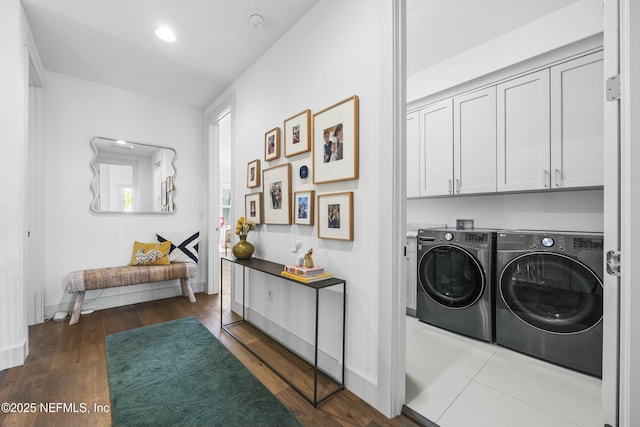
(613,88)
(613,263)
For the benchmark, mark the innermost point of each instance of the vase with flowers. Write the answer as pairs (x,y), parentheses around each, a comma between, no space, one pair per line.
(243,249)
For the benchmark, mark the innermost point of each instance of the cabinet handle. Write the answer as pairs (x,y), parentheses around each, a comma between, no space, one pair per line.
(450,189)
(457,186)
(547,177)
(558,177)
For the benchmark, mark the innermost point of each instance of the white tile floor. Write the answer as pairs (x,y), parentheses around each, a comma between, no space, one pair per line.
(457,381)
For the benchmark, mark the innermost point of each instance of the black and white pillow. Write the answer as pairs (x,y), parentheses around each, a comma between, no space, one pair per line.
(184,246)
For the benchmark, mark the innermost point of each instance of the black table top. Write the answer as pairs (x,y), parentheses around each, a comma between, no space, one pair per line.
(275,269)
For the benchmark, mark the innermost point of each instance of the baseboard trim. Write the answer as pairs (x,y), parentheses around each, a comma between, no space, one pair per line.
(101,299)
(417,418)
(14,356)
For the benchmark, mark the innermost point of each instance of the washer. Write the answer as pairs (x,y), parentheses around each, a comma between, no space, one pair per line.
(455,281)
(549,297)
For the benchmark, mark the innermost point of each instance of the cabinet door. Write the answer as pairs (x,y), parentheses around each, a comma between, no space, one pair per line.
(436,153)
(474,142)
(523,133)
(413,154)
(577,122)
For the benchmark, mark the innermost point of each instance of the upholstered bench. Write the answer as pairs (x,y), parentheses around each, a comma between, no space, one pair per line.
(111,277)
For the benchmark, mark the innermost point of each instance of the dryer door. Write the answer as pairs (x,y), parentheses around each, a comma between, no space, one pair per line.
(552,292)
(451,276)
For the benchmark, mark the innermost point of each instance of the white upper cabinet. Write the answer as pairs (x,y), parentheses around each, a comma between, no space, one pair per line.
(540,131)
(436,149)
(577,120)
(474,142)
(523,133)
(413,154)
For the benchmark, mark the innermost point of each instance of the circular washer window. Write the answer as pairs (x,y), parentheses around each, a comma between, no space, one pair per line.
(451,276)
(552,292)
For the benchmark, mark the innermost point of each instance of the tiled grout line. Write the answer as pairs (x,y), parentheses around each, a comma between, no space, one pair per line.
(473,379)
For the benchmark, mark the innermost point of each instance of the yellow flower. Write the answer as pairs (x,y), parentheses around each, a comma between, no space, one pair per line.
(243,227)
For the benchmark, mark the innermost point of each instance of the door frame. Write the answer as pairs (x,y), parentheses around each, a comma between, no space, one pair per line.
(213,116)
(34,201)
(629,208)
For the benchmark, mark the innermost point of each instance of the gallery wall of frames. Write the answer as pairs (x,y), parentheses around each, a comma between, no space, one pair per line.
(332,137)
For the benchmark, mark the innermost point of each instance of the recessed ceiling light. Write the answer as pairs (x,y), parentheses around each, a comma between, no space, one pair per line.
(256,20)
(166,34)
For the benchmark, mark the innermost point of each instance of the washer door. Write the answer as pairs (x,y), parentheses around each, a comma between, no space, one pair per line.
(451,276)
(552,292)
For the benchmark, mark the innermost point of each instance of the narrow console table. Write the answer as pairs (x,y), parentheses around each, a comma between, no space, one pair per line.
(275,269)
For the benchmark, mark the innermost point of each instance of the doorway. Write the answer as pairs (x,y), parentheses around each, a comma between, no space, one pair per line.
(34,247)
(220,122)
(611,218)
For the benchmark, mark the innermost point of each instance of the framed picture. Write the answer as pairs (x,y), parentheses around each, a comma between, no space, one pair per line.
(297,134)
(272,144)
(253,207)
(303,207)
(253,174)
(335,142)
(335,216)
(277,194)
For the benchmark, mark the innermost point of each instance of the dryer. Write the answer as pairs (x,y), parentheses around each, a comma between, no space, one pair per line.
(455,281)
(549,297)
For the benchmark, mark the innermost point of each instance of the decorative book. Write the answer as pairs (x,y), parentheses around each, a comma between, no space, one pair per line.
(304,271)
(302,279)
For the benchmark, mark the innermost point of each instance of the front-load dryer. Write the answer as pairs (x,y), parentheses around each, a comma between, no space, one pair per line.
(455,281)
(549,297)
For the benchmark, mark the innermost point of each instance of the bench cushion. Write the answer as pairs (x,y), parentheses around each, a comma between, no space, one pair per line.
(110,277)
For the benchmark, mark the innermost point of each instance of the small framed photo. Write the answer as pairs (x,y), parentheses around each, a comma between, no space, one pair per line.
(335,216)
(276,183)
(253,207)
(297,134)
(335,142)
(272,144)
(253,174)
(303,207)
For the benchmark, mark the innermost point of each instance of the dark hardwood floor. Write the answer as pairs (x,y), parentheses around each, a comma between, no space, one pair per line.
(67,365)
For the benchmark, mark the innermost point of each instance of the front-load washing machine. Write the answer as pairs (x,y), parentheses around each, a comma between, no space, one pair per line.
(549,297)
(455,280)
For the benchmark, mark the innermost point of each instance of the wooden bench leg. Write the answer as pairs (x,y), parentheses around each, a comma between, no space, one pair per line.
(75,315)
(187,290)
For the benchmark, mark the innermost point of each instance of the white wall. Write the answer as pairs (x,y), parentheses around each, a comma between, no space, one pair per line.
(13,121)
(575,22)
(326,57)
(561,210)
(77,110)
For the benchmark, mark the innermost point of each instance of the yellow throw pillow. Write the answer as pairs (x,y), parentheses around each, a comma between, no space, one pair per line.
(150,253)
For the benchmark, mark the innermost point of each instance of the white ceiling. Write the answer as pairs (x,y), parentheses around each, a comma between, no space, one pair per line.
(113,41)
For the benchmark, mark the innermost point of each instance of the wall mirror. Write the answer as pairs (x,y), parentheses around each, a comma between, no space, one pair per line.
(130,177)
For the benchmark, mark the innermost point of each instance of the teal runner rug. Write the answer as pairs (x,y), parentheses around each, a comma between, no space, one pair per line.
(177,373)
